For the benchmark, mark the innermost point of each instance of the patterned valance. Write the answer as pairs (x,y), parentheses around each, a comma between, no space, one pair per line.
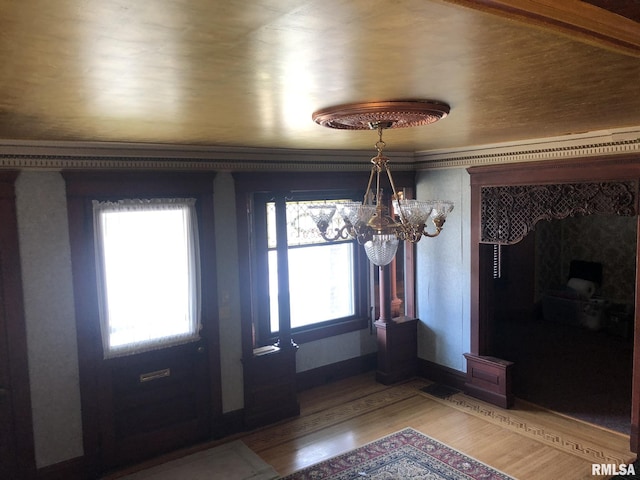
(509,213)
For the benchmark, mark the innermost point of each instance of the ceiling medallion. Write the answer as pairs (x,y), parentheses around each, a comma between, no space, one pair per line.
(391,114)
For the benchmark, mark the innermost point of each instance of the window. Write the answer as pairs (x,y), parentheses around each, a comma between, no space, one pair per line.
(323,284)
(148,280)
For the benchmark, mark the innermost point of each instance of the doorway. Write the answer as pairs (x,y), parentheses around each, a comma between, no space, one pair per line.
(572,350)
(137,404)
(615,180)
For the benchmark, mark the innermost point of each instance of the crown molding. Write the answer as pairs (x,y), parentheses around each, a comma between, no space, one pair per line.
(592,144)
(57,156)
(43,155)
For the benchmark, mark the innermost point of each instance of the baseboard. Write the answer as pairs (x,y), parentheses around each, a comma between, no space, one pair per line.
(336,371)
(441,374)
(73,469)
(230,424)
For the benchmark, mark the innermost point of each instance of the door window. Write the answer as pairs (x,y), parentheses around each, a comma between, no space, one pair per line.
(148,280)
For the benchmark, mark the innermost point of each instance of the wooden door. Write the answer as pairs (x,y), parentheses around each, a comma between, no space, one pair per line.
(153,402)
(16,432)
(141,405)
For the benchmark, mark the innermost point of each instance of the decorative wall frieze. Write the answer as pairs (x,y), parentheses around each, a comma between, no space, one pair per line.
(509,213)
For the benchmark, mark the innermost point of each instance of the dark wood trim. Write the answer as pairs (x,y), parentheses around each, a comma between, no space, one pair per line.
(304,181)
(231,423)
(397,349)
(335,371)
(489,379)
(591,24)
(73,469)
(612,167)
(592,169)
(270,387)
(19,389)
(441,374)
(635,388)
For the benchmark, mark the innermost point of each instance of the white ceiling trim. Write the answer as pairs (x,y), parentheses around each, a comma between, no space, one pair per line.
(592,144)
(76,155)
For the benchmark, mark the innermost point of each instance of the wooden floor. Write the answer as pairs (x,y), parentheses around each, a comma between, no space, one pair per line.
(525,442)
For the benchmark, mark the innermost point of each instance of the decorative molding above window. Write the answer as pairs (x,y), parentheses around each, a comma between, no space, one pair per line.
(509,213)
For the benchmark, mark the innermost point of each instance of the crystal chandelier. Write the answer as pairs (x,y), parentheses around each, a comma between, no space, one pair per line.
(371,222)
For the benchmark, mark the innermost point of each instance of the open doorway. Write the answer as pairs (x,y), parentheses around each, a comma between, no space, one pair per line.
(507,201)
(564,301)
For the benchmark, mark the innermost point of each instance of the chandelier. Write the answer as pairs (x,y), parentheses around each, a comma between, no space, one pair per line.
(375,224)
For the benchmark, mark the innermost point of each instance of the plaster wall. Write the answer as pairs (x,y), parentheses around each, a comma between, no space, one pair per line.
(45,260)
(443,272)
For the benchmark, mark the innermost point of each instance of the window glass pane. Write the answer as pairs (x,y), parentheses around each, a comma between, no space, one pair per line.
(147,259)
(321,274)
(321,283)
(271,225)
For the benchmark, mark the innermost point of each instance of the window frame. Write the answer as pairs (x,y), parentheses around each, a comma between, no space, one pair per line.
(247,186)
(262,322)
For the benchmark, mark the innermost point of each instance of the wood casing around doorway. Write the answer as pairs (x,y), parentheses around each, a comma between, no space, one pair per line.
(592,169)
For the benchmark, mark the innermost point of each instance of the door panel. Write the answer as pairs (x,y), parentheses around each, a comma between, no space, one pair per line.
(158,402)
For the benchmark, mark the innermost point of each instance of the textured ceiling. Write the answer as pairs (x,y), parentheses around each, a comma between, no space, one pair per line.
(235,73)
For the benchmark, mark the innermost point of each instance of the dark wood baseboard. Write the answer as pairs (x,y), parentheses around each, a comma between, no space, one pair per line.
(441,374)
(73,469)
(230,424)
(335,371)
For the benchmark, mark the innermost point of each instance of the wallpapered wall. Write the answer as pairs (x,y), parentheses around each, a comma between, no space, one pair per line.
(607,239)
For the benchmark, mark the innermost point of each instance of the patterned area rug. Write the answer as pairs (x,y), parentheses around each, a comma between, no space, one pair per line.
(404,455)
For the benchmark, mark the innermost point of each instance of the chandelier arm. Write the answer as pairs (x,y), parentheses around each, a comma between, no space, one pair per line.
(340,233)
(439,223)
(366,193)
(431,235)
(400,212)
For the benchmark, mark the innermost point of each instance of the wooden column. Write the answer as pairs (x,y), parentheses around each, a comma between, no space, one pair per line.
(397,338)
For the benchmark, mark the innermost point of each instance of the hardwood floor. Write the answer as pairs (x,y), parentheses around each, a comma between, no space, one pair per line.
(525,442)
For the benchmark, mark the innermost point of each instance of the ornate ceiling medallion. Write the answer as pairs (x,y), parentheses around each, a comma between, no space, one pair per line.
(391,114)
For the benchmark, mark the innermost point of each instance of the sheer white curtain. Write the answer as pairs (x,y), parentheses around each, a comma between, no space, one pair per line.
(147,264)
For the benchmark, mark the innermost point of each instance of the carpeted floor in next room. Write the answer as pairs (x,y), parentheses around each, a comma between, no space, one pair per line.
(581,373)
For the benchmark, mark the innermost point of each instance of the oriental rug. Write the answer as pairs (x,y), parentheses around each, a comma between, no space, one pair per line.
(404,455)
